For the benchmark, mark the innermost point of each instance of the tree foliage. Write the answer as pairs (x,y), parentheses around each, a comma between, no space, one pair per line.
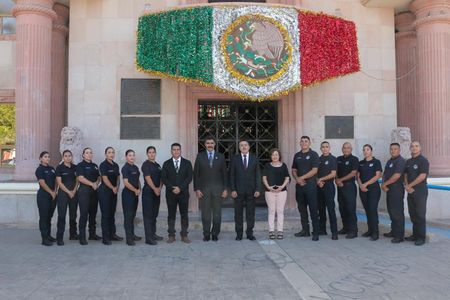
(7,124)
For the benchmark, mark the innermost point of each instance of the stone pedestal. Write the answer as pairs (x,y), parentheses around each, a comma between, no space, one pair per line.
(33,82)
(432,27)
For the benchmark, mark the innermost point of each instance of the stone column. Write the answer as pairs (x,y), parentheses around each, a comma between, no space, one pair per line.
(59,77)
(433,95)
(405,51)
(33,83)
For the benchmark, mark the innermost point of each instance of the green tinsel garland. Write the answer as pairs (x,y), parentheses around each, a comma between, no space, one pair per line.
(177,42)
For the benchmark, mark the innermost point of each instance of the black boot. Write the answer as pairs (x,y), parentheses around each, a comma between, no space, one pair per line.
(46,242)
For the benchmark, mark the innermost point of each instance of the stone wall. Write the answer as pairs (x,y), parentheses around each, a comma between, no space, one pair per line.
(7,64)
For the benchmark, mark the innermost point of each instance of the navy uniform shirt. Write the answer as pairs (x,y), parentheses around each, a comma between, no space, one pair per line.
(326,165)
(131,172)
(152,169)
(67,174)
(88,170)
(368,169)
(393,166)
(305,162)
(110,170)
(347,164)
(46,173)
(416,166)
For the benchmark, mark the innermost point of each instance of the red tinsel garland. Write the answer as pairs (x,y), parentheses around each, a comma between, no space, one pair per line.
(328,47)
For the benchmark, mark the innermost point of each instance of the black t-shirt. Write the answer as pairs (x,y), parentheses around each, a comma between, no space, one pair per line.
(275,175)
(67,174)
(152,169)
(88,170)
(416,166)
(326,165)
(347,164)
(131,172)
(368,169)
(305,162)
(47,173)
(110,170)
(393,166)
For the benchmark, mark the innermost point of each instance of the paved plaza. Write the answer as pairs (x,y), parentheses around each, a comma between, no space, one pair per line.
(293,268)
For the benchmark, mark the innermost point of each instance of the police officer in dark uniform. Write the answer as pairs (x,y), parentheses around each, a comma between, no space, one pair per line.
(326,190)
(130,196)
(416,172)
(369,172)
(67,196)
(395,192)
(347,167)
(88,177)
(151,196)
(107,196)
(46,196)
(304,170)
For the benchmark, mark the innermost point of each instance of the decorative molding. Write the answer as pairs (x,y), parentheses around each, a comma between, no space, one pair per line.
(445,18)
(36,9)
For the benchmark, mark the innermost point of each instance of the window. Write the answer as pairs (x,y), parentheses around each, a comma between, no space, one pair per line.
(140,109)
(339,127)
(7,21)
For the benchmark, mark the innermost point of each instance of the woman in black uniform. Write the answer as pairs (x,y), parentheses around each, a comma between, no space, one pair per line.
(369,172)
(46,196)
(89,177)
(151,193)
(130,196)
(107,196)
(67,196)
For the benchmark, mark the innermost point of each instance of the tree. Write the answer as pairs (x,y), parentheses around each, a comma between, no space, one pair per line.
(7,124)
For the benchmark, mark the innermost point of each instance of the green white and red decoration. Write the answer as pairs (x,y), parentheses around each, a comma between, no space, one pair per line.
(256,52)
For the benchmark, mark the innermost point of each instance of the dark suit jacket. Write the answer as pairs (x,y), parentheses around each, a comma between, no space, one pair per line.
(245,181)
(206,177)
(171,178)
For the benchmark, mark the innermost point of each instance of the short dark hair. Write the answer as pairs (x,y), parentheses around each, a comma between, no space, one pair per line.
(150,147)
(324,142)
(67,151)
(305,137)
(43,153)
(244,140)
(273,150)
(368,145)
(210,138)
(85,149)
(175,145)
(395,144)
(107,148)
(128,151)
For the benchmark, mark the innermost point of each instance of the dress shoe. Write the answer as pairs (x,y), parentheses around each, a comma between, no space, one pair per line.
(157,237)
(60,242)
(137,238)
(151,242)
(206,238)
(51,239)
(388,234)
(131,243)
(374,237)
(396,240)
(302,233)
(342,231)
(106,242)
(46,242)
(323,232)
(94,237)
(366,234)
(215,238)
(83,242)
(171,239)
(410,238)
(115,237)
(315,237)
(185,239)
(251,237)
(419,242)
(351,235)
(334,236)
(74,237)
(239,238)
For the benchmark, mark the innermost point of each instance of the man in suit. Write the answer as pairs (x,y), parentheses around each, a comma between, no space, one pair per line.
(210,185)
(176,174)
(245,184)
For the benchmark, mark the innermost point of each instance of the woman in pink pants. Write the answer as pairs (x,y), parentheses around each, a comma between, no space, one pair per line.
(275,179)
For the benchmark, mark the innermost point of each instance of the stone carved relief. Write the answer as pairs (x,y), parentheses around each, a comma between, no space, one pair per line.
(72,139)
(402,135)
